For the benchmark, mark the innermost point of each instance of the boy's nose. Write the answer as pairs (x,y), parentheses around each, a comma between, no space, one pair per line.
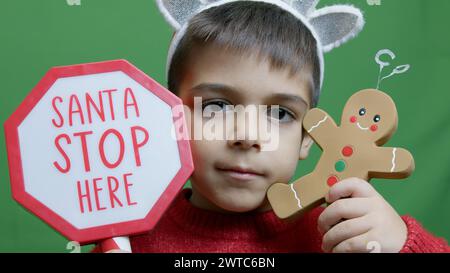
(245,136)
(244,144)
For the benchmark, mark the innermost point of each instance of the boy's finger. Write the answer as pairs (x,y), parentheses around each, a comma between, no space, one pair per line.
(342,209)
(351,187)
(344,231)
(358,244)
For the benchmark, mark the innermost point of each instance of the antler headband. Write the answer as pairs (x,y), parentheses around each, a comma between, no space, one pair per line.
(331,26)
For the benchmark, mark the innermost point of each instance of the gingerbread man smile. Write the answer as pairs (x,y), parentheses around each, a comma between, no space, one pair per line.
(362,128)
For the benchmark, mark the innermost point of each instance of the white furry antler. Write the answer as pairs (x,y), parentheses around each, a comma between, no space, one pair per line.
(331,26)
(303,6)
(178,12)
(336,25)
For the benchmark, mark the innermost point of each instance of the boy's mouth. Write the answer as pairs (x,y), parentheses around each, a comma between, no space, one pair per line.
(239,172)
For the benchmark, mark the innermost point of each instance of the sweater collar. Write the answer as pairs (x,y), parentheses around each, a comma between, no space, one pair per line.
(217,225)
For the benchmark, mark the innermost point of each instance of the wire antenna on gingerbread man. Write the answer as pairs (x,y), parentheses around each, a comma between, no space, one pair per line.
(398,70)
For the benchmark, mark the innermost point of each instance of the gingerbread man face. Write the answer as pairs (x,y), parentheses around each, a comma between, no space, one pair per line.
(370,114)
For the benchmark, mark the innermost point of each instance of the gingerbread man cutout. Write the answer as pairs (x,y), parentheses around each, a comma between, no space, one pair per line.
(352,150)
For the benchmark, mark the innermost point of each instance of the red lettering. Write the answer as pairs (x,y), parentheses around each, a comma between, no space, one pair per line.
(127,190)
(100,110)
(139,139)
(81,196)
(115,190)
(61,119)
(92,109)
(82,135)
(73,110)
(111,105)
(96,190)
(63,153)
(129,92)
(112,190)
(102,148)
(137,145)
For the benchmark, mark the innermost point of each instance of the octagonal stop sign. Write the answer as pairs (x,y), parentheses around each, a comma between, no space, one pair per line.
(98,150)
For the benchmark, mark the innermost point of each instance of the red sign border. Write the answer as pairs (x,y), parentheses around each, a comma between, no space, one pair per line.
(94,234)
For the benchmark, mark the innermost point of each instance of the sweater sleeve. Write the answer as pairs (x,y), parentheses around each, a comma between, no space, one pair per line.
(421,241)
(315,238)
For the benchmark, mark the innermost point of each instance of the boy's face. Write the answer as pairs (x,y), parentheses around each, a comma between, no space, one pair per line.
(233,174)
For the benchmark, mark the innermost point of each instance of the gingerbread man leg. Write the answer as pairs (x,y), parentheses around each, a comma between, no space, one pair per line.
(288,199)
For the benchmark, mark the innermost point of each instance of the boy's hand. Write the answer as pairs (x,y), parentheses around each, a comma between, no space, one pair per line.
(358,223)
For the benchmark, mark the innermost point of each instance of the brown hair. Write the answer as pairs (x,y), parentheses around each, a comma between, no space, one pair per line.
(245,26)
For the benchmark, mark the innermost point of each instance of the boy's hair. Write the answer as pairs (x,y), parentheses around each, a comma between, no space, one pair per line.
(246,26)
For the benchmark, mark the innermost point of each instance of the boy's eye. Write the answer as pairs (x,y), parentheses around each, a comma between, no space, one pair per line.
(362,111)
(214,106)
(280,114)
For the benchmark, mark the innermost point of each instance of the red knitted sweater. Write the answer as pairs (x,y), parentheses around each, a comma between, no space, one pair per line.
(185,228)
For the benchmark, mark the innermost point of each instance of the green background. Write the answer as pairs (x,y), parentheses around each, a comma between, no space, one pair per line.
(36,35)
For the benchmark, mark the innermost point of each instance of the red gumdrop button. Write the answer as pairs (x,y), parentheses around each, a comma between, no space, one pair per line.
(373,128)
(353,119)
(332,180)
(347,151)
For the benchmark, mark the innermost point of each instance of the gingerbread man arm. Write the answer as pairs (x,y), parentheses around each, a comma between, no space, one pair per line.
(395,163)
(319,125)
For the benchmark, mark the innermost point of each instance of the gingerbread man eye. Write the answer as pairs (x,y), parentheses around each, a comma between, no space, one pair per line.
(377,118)
(362,111)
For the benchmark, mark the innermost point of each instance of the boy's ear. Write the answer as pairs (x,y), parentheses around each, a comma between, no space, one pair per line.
(336,25)
(177,12)
(305,146)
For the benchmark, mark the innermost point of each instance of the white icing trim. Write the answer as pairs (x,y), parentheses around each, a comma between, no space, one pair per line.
(393,159)
(299,204)
(318,124)
(362,128)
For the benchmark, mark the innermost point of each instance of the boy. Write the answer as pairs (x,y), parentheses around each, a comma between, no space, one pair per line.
(256,53)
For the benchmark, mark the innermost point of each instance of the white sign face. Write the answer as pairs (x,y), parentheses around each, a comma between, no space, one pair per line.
(98,151)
